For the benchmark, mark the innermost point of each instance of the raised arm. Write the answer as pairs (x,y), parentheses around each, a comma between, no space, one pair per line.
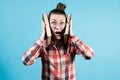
(80,47)
(30,56)
(33,53)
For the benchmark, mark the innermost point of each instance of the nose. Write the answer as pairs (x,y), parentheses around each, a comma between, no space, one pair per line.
(58,27)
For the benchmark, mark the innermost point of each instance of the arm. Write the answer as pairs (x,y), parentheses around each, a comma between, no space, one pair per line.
(30,56)
(33,53)
(80,47)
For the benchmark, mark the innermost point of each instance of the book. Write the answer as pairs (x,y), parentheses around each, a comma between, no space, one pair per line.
(47,28)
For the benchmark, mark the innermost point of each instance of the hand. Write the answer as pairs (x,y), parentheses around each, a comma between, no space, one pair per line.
(71,32)
(43,31)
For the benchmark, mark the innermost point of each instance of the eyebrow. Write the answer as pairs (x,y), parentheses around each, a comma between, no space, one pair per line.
(60,20)
(53,19)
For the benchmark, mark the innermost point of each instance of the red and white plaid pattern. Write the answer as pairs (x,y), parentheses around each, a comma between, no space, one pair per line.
(57,63)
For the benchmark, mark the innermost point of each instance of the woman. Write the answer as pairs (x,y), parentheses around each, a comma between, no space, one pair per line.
(58,58)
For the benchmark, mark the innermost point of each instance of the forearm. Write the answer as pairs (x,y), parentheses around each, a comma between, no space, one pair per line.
(32,53)
(80,47)
(87,51)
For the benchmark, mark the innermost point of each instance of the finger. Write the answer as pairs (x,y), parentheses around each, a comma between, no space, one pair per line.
(43,27)
(71,23)
(43,31)
(43,24)
(71,31)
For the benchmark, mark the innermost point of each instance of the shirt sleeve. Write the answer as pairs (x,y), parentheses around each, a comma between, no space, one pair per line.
(82,48)
(30,56)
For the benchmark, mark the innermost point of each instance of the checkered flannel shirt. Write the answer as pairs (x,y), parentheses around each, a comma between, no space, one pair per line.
(57,63)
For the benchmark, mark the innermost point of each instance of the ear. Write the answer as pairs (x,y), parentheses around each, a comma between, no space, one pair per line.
(67,30)
(48,31)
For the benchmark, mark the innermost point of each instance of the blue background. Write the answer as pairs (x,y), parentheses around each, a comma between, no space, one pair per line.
(96,22)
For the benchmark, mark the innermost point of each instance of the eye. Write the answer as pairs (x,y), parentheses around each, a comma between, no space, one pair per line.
(54,23)
(62,23)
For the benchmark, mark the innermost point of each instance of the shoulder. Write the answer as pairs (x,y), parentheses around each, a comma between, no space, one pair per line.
(74,38)
(41,42)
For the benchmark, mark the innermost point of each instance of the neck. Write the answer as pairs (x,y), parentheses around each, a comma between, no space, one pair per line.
(56,41)
(58,37)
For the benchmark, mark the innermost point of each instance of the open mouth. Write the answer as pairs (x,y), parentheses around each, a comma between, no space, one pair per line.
(58,32)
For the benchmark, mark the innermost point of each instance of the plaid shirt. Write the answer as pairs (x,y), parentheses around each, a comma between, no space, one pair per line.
(57,63)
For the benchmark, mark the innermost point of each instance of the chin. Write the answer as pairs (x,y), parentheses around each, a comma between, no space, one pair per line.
(58,37)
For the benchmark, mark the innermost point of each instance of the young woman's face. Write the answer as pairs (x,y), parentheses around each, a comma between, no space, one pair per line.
(57,23)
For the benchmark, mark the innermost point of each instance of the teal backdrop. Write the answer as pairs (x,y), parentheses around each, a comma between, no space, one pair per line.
(96,22)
